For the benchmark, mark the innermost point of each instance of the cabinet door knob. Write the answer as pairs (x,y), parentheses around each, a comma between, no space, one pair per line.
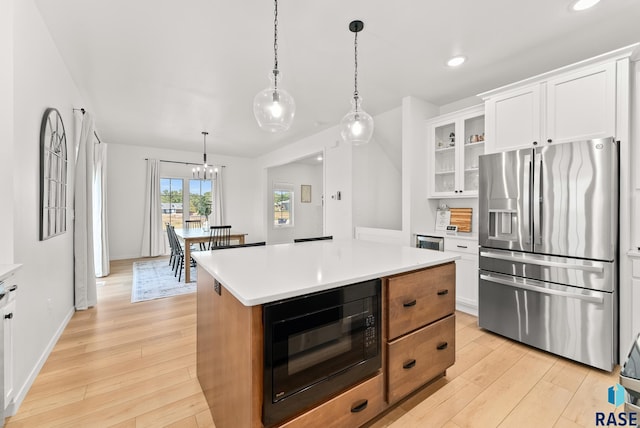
(409,304)
(461,191)
(8,316)
(359,406)
(443,292)
(549,140)
(442,346)
(535,143)
(409,364)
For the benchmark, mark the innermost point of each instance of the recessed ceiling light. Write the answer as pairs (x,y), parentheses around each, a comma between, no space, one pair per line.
(583,4)
(319,158)
(456,61)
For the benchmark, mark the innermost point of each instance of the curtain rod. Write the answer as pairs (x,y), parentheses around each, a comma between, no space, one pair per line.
(83,111)
(188,163)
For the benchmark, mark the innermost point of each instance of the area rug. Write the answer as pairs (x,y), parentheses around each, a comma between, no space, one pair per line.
(153,279)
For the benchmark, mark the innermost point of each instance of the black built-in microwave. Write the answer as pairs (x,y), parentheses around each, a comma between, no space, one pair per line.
(317,345)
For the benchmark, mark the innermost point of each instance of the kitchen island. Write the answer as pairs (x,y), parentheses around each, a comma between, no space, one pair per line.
(418,295)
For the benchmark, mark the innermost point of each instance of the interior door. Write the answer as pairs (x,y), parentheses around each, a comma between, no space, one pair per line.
(504,200)
(575,210)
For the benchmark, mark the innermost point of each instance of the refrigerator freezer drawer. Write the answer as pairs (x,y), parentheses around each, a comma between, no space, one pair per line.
(591,274)
(571,322)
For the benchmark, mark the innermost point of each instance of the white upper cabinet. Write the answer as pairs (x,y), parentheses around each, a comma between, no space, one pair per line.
(582,105)
(571,106)
(513,118)
(456,140)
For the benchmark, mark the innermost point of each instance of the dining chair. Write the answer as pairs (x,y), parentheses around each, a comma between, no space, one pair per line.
(172,256)
(252,244)
(179,263)
(192,224)
(317,238)
(220,236)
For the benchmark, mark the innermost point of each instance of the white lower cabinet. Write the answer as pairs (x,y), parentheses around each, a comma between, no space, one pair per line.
(8,312)
(466,272)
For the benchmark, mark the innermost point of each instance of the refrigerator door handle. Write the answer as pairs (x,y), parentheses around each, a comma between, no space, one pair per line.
(526,207)
(537,199)
(538,287)
(596,268)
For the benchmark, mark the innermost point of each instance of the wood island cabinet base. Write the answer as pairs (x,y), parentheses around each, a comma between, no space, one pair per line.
(421,346)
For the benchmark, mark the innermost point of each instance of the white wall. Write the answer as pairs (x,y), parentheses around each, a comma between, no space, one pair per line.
(45,293)
(418,212)
(377,175)
(307,220)
(635,155)
(377,188)
(337,177)
(126,175)
(6,124)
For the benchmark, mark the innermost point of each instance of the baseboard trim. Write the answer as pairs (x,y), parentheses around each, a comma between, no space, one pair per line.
(467,308)
(15,403)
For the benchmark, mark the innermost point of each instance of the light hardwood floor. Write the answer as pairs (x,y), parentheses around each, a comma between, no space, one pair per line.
(133,365)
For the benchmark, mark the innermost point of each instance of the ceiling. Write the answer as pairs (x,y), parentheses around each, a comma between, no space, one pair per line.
(158,72)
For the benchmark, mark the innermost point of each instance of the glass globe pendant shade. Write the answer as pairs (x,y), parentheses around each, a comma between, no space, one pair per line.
(273,107)
(356,127)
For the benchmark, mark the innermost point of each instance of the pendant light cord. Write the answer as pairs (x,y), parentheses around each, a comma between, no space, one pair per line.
(275,44)
(355,74)
(204,151)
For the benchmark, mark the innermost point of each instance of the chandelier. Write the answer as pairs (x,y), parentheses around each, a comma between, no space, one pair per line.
(205,168)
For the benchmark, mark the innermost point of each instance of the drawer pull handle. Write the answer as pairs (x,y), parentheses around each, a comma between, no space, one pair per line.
(443,292)
(360,406)
(461,246)
(442,346)
(409,364)
(409,304)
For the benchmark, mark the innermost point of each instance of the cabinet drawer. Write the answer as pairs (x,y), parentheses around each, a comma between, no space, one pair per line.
(352,408)
(419,298)
(415,359)
(460,245)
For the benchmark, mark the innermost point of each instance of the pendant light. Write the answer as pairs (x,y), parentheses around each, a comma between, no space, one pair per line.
(356,126)
(273,107)
(196,171)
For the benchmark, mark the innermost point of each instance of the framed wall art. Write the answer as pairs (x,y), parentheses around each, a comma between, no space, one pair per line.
(305,193)
(53,175)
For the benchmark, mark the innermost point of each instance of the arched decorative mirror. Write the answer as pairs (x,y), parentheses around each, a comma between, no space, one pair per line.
(53,175)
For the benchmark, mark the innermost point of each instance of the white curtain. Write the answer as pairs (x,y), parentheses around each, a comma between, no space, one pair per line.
(152,237)
(85,277)
(217,216)
(100,232)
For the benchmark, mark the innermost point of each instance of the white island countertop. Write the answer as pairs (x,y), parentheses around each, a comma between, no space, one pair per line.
(258,275)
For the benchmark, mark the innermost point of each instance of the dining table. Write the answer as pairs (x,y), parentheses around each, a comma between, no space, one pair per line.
(197,236)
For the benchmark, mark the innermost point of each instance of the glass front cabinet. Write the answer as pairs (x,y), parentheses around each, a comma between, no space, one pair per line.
(456,140)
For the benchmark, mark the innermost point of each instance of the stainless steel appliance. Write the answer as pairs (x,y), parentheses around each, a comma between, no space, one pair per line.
(548,231)
(630,378)
(317,345)
(430,242)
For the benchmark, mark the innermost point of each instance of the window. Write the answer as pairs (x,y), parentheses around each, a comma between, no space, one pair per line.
(178,205)
(199,199)
(171,200)
(283,205)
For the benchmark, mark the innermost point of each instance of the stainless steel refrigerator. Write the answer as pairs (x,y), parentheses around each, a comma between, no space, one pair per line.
(548,231)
